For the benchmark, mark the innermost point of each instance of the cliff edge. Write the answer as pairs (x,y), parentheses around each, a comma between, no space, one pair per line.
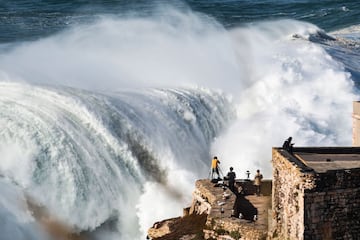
(218,213)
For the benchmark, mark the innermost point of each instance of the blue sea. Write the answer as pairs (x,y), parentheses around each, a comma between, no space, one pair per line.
(110,110)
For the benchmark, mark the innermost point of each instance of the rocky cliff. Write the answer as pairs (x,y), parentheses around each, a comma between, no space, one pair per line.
(218,213)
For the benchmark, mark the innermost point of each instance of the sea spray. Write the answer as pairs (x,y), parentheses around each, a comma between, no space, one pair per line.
(127,152)
(98,154)
(294,88)
(16,221)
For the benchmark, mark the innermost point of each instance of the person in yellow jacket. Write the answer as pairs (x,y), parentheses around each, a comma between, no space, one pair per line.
(215,167)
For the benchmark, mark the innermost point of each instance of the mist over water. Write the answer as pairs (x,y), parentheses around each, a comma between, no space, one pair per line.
(120,116)
(292,89)
(171,50)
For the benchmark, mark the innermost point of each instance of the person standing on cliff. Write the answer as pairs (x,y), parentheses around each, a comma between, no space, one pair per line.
(231,178)
(257,181)
(287,143)
(288,146)
(215,167)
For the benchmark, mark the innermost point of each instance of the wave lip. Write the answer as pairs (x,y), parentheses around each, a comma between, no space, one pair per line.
(107,154)
(96,152)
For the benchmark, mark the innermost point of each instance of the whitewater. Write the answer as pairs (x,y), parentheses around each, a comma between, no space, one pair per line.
(107,125)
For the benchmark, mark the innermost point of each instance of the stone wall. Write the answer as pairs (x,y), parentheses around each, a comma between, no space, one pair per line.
(249,188)
(332,209)
(202,198)
(290,180)
(311,205)
(356,123)
(220,223)
(233,229)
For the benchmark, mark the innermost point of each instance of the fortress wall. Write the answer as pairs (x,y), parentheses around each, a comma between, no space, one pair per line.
(312,205)
(289,184)
(356,123)
(332,209)
(332,214)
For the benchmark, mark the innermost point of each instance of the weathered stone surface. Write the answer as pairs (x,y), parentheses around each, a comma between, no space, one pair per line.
(289,183)
(162,228)
(305,203)
(320,203)
(187,227)
(217,203)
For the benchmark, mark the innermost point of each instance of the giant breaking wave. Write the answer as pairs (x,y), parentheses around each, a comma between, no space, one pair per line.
(182,88)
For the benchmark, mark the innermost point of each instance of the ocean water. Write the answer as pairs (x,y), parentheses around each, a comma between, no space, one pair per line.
(110,110)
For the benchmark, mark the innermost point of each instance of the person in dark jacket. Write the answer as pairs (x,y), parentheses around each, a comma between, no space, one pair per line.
(231,178)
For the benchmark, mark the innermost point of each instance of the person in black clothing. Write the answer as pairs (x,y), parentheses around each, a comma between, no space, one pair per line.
(231,178)
(288,146)
(287,143)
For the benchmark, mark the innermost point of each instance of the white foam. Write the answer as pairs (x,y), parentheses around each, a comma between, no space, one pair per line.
(294,88)
(159,202)
(282,87)
(16,222)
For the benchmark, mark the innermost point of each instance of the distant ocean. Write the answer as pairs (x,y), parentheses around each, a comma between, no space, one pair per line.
(110,110)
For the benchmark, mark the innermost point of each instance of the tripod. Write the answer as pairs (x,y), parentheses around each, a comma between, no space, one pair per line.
(216,170)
